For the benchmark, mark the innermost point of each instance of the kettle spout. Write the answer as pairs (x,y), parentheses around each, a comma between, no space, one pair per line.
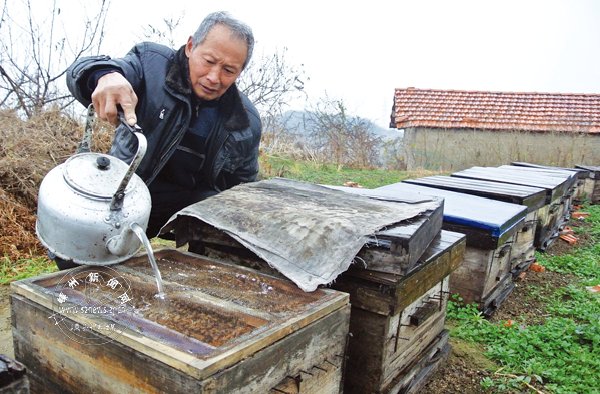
(125,243)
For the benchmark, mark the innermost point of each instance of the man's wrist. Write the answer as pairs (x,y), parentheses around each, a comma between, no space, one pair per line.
(97,74)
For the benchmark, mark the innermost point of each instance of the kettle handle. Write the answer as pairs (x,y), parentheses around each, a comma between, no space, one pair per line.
(117,200)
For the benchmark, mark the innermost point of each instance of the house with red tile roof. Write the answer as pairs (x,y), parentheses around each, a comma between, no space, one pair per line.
(453,129)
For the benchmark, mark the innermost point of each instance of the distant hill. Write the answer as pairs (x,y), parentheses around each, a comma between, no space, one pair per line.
(294,121)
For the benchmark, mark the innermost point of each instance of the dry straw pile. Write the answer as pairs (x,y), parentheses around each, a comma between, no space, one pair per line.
(28,150)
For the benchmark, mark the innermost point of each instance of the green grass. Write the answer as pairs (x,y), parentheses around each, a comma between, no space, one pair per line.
(24,268)
(584,262)
(331,174)
(562,352)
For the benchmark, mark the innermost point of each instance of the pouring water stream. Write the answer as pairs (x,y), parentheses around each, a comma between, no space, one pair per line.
(141,234)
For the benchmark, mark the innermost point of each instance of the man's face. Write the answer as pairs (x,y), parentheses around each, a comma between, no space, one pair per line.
(216,63)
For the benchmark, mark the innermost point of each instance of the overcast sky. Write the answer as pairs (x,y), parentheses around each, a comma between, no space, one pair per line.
(360,51)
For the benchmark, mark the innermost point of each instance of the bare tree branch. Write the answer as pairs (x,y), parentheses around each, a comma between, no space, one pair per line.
(157,34)
(343,139)
(270,82)
(14,88)
(36,55)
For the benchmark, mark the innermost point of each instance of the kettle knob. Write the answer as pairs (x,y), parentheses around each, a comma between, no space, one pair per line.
(103,163)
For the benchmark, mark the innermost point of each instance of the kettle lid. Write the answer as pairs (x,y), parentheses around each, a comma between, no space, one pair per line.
(95,174)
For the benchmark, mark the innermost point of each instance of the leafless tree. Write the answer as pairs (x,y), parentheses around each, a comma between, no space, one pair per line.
(271,82)
(164,35)
(36,51)
(341,138)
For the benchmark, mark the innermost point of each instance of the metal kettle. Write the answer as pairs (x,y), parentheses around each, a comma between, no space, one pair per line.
(93,209)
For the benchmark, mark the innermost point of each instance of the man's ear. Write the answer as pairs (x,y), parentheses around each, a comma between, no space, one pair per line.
(188,47)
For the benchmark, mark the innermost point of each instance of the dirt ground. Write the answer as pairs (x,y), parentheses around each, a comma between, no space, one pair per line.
(6,345)
(466,365)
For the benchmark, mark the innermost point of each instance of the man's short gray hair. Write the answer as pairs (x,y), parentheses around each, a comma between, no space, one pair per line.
(238,28)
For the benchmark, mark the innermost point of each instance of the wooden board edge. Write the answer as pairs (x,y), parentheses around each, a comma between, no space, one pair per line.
(188,363)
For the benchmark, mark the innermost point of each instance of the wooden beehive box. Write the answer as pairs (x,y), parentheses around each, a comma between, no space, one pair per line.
(592,183)
(523,248)
(397,322)
(395,249)
(551,216)
(580,173)
(222,328)
(393,253)
(490,226)
(568,176)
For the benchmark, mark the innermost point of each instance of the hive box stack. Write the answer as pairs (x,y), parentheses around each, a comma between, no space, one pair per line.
(579,193)
(398,286)
(523,249)
(558,189)
(571,179)
(222,328)
(396,249)
(592,183)
(399,296)
(398,339)
(491,228)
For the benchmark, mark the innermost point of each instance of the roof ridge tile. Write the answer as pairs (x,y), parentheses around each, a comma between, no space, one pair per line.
(493,110)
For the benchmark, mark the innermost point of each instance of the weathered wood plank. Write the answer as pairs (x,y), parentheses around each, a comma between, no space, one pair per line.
(388,294)
(398,249)
(278,322)
(580,173)
(523,249)
(13,376)
(491,303)
(319,379)
(382,346)
(532,197)
(591,186)
(550,218)
(61,366)
(417,374)
(570,177)
(487,223)
(555,187)
(322,340)
(480,272)
(408,341)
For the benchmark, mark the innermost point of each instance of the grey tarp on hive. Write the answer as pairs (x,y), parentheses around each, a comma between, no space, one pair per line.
(308,232)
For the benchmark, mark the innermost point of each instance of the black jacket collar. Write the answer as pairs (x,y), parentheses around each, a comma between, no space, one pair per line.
(231,107)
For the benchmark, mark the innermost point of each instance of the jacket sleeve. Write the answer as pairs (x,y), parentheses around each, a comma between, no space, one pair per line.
(78,74)
(248,170)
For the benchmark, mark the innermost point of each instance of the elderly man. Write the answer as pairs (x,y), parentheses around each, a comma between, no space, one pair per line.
(203,133)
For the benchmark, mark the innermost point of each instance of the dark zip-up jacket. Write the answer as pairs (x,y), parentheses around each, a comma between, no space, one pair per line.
(160,78)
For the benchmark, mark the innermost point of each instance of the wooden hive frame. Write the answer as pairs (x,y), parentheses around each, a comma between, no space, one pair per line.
(592,183)
(397,322)
(283,344)
(523,248)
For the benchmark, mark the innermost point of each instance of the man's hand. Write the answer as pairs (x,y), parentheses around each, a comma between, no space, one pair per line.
(113,89)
